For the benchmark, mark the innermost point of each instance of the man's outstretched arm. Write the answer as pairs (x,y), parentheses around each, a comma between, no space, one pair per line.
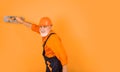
(27,24)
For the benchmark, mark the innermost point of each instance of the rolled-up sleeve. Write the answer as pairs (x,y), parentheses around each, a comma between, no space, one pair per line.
(35,28)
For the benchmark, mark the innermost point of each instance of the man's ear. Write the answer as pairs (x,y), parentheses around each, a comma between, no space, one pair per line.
(50,27)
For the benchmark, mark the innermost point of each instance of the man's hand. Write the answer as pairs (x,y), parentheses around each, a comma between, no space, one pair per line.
(64,68)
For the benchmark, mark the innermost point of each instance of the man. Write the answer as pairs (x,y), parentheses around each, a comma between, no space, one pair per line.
(53,51)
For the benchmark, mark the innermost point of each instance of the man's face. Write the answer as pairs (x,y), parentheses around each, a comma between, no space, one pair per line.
(44,30)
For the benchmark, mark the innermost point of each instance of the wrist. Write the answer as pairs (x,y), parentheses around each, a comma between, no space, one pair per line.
(23,22)
(65,68)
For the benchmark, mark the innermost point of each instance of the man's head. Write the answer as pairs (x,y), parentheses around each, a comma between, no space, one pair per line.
(45,26)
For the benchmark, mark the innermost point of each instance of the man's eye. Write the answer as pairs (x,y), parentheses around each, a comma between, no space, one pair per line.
(44,26)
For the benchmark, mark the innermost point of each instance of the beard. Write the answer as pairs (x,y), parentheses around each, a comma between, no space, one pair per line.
(44,33)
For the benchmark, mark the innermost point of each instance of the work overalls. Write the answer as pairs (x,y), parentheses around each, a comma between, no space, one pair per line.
(52,63)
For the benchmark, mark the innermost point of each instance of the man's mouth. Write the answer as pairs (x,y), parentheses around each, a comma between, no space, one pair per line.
(43,31)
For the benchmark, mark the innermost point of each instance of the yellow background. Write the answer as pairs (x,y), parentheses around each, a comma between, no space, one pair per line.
(89,30)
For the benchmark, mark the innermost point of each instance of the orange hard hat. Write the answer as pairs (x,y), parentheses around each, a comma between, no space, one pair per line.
(45,21)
